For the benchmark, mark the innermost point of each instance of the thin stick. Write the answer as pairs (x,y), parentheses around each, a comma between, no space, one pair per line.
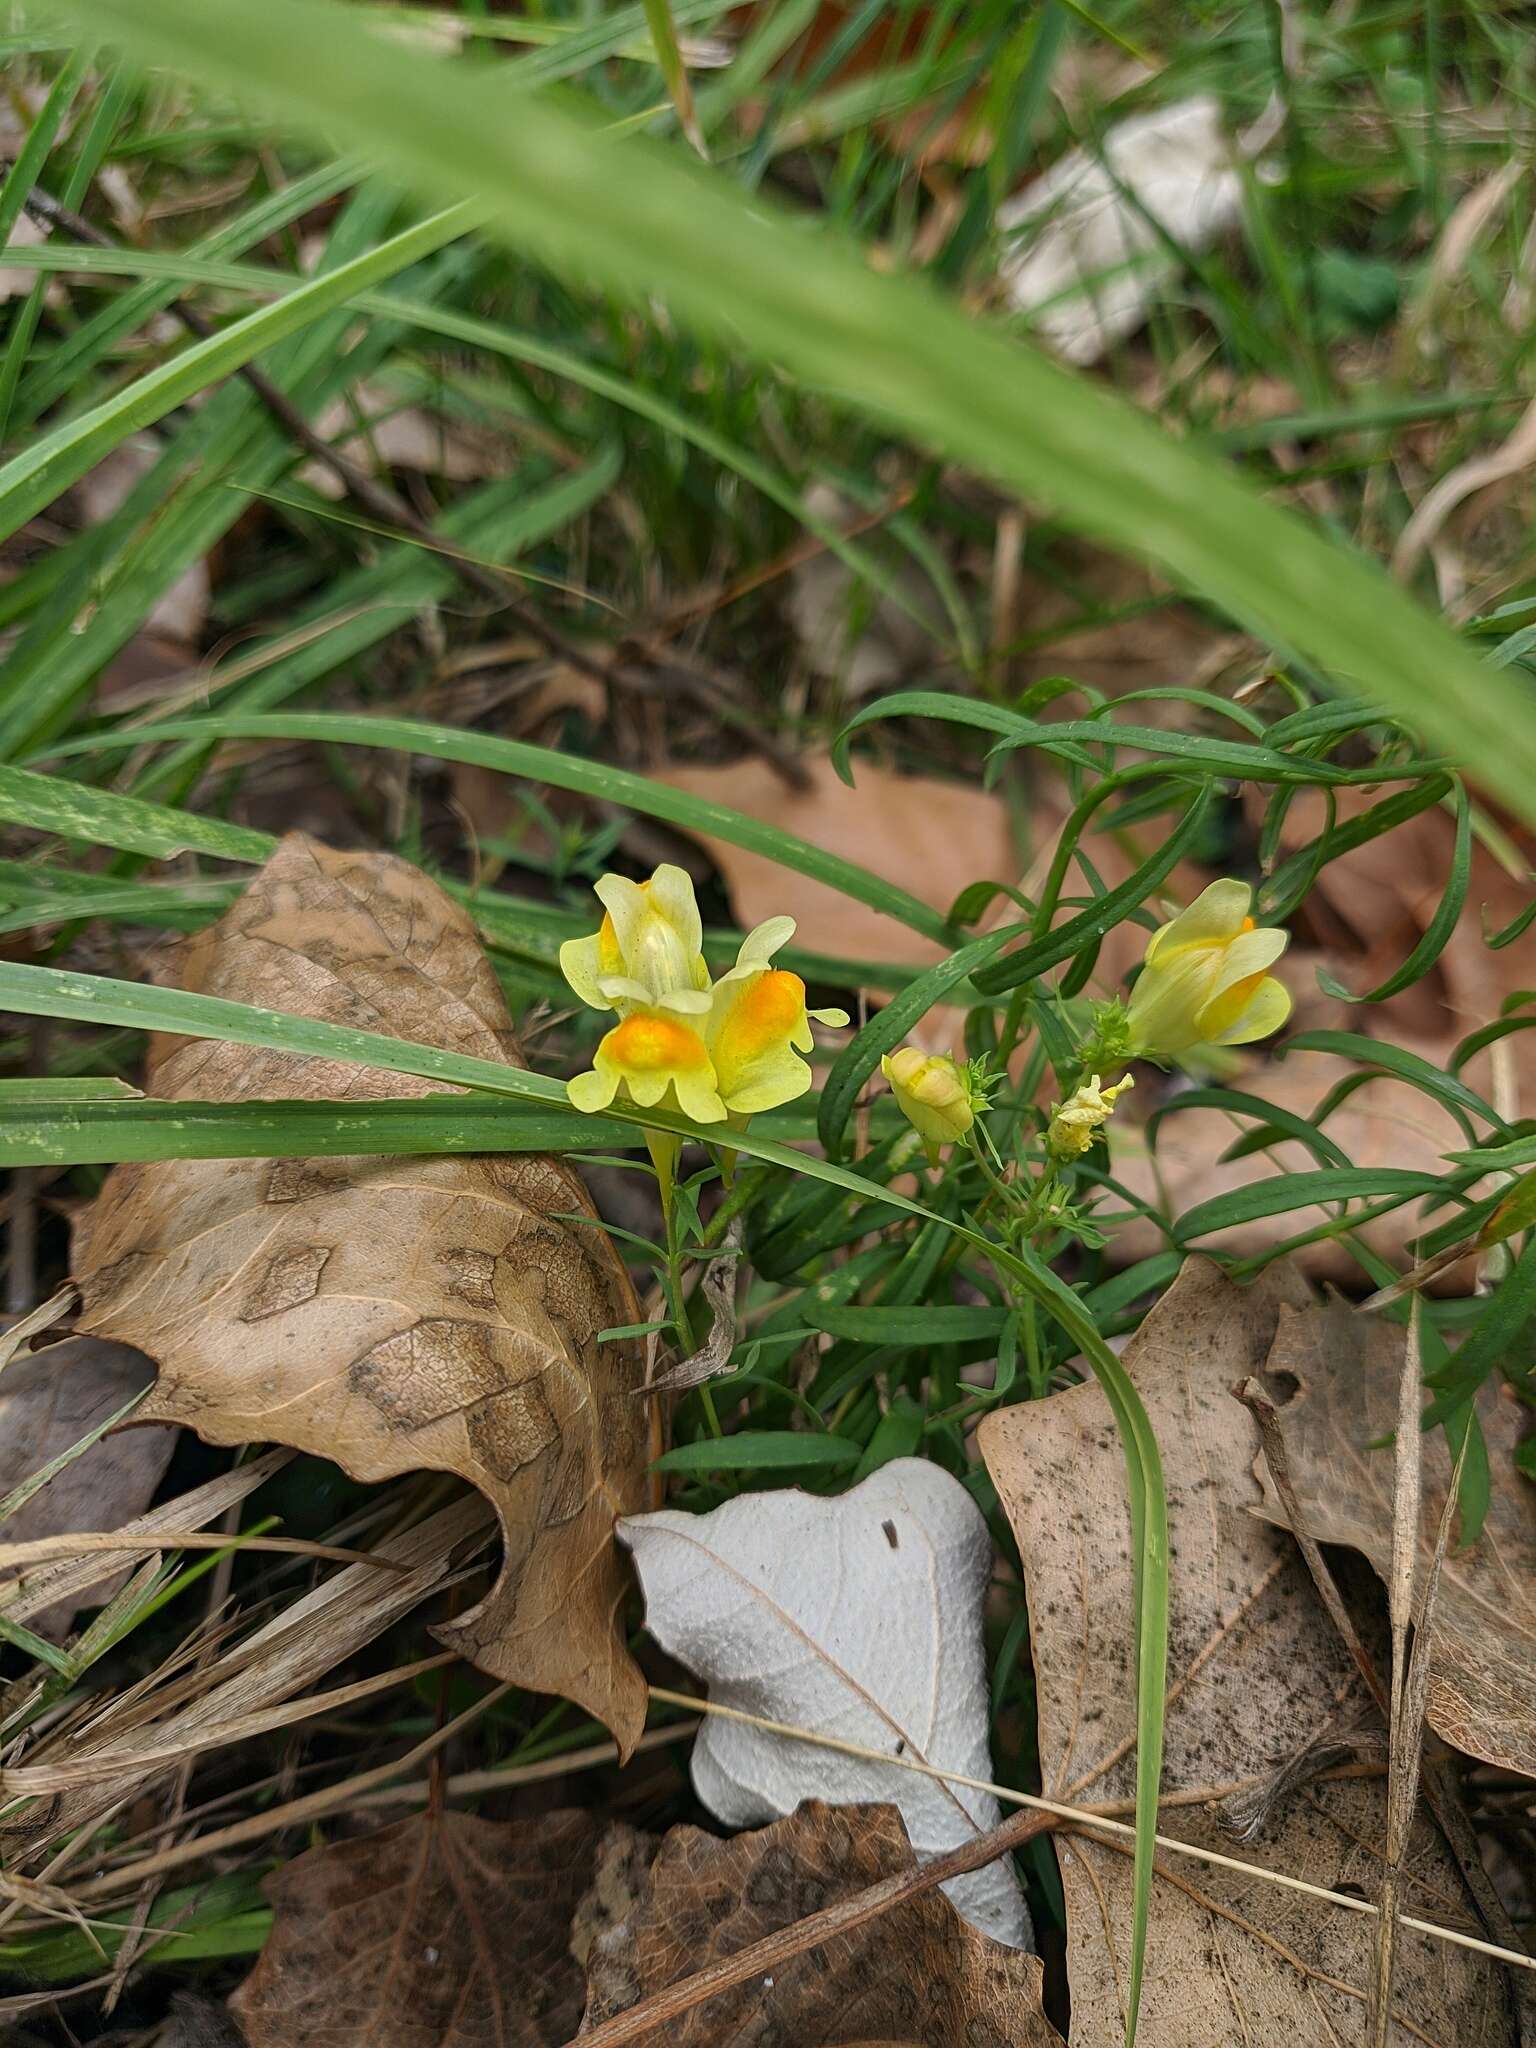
(1405,1735)
(1086,1818)
(465,1784)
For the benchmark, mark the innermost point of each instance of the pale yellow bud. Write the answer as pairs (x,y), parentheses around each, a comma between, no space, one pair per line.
(1075,1121)
(935,1096)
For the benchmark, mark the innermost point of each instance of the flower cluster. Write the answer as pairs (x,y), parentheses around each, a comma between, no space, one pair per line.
(1075,1122)
(1205,982)
(716,1050)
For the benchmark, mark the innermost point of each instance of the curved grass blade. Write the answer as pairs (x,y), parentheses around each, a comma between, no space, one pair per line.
(1379,1053)
(1284,889)
(1090,925)
(1436,934)
(1300,1191)
(560,771)
(1070,737)
(1273,1123)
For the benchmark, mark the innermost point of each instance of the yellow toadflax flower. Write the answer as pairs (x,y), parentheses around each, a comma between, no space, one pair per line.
(648,953)
(1075,1122)
(935,1096)
(714,1052)
(1205,981)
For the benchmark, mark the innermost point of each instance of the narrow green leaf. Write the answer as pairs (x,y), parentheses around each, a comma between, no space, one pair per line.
(1273,1123)
(1366,1053)
(1437,932)
(1299,1191)
(1517,1212)
(1493,1340)
(897,1434)
(759,1450)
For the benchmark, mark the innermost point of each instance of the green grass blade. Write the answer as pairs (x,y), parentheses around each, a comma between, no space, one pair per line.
(70,1132)
(560,771)
(48,803)
(35,477)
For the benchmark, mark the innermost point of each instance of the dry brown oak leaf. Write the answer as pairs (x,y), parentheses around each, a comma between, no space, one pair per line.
(1343,1370)
(1255,1670)
(390,1314)
(442,1931)
(918,1973)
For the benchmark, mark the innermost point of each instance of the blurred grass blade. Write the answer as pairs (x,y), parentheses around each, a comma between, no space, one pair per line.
(669,56)
(635,216)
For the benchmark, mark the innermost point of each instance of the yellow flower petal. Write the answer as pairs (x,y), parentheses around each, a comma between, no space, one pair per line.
(758,1017)
(647,951)
(1266,1010)
(652,1058)
(591,1092)
(1217,914)
(582,964)
(763,941)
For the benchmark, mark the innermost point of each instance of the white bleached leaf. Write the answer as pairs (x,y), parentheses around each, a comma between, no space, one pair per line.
(858,1617)
(1081,253)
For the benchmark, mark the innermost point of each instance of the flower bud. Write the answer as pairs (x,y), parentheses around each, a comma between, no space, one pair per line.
(935,1095)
